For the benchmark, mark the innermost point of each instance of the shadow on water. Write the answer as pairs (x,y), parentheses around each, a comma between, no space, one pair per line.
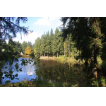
(72,75)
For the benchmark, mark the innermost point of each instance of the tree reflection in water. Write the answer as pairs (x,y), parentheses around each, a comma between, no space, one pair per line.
(62,72)
(51,71)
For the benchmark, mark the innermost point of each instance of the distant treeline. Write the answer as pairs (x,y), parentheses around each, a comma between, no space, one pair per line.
(53,44)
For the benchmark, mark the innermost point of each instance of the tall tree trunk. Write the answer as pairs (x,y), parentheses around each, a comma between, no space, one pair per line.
(57,54)
(79,56)
(94,70)
(95,57)
(69,53)
(68,46)
(64,51)
(86,63)
(47,55)
(94,54)
(44,54)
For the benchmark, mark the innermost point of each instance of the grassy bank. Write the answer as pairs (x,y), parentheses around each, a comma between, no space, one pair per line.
(37,83)
(60,59)
(72,60)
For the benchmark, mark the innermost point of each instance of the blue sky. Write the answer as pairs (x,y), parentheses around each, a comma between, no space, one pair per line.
(39,25)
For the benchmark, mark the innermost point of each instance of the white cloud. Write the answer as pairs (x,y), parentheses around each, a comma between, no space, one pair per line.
(49,21)
(43,22)
(29,37)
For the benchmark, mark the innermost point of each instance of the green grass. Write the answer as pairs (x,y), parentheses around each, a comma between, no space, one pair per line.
(40,84)
(47,83)
(72,60)
(99,60)
(64,59)
(33,84)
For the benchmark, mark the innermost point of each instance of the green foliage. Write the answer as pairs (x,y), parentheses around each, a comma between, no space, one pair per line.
(11,26)
(43,44)
(24,45)
(16,75)
(16,66)
(59,41)
(83,38)
(47,47)
(7,82)
(53,44)
(37,47)
(23,62)
(1,74)
(88,34)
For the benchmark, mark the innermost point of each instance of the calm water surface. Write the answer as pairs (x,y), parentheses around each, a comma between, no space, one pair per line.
(45,70)
(27,73)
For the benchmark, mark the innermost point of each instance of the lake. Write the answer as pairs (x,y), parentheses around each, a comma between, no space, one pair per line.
(11,74)
(45,70)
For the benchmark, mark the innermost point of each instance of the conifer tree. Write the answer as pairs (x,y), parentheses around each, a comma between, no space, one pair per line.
(43,44)
(47,47)
(88,33)
(37,47)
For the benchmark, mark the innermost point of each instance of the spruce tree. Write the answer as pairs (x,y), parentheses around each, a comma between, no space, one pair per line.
(47,47)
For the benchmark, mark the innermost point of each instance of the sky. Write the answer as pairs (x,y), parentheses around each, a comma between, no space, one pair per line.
(38,25)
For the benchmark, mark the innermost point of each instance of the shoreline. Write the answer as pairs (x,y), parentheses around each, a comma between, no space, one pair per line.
(46,57)
(62,59)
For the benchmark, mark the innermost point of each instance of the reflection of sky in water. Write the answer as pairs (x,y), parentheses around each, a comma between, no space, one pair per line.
(27,73)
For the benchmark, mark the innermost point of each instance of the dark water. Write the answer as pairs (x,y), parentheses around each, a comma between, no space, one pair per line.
(45,70)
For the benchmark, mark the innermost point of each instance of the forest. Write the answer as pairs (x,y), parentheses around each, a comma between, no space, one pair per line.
(80,38)
(53,44)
